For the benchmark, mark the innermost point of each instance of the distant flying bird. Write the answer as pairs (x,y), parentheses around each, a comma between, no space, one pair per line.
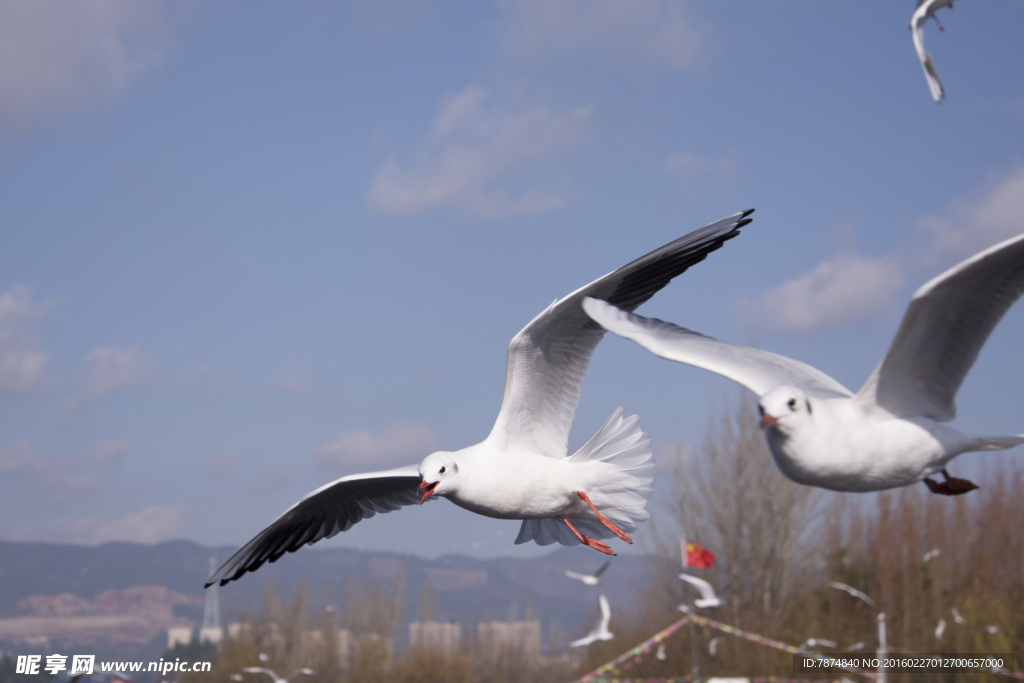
(520,471)
(713,646)
(926,9)
(660,654)
(600,631)
(960,621)
(859,645)
(890,434)
(931,554)
(940,628)
(815,642)
(274,677)
(588,579)
(707,593)
(853,591)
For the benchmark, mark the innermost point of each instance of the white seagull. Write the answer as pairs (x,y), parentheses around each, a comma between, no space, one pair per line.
(661,654)
(931,554)
(588,579)
(926,9)
(273,675)
(707,593)
(890,433)
(520,471)
(599,632)
(854,592)
(815,642)
(940,628)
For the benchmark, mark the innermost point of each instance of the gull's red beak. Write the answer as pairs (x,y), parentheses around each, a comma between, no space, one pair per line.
(767,421)
(427,489)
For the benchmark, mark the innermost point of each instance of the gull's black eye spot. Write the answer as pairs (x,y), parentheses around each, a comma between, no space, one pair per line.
(760,409)
(441,471)
(791,403)
(809,411)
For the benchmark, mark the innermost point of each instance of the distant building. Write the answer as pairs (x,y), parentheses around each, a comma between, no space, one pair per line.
(438,636)
(211,635)
(517,641)
(178,635)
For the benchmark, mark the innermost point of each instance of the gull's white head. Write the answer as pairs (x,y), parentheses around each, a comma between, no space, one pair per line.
(439,474)
(784,408)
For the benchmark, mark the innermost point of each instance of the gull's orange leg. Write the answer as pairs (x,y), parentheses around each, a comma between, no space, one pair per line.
(604,520)
(597,545)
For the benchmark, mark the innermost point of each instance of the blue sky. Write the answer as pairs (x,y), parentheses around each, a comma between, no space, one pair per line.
(246,248)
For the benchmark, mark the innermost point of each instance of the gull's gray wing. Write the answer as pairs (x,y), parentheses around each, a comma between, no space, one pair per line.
(760,371)
(947,322)
(547,359)
(332,508)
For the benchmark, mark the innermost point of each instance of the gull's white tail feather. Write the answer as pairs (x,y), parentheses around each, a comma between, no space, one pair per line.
(616,466)
(998,443)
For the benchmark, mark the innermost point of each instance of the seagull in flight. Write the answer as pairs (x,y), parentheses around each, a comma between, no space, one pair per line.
(599,632)
(931,554)
(815,642)
(890,433)
(520,471)
(707,598)
(588,579)
(926,10)
(273,675)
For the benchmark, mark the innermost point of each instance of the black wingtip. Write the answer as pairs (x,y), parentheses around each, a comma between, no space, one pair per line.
(747,213)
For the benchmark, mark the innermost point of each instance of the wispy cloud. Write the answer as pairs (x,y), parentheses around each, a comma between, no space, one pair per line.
(975,222)
(841,291)
(58,58)
(22,363)
(33,478)
(653,31)
(848,289)
(150,525)
(401,443)
(471,149)
(108,371)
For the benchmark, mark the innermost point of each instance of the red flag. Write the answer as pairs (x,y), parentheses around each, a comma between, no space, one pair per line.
(699,557)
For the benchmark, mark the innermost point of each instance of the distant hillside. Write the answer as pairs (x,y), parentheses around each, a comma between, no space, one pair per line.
(464,589)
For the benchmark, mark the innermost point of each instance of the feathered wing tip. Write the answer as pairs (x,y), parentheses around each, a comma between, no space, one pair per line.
(619,456)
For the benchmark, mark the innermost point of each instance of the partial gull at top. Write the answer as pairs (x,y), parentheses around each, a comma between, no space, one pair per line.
(520,471)
(926,9)
(890,433)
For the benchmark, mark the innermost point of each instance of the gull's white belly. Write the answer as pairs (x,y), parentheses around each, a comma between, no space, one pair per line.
(525,486)
(847,449)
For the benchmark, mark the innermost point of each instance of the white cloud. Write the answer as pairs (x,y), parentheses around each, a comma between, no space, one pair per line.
(650,31)
(977,222)
(401,443)
(848,289)
(471,149)
(109,371)
(842,291)
(31,478)
(62,57)
(21,362)
(150,525)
